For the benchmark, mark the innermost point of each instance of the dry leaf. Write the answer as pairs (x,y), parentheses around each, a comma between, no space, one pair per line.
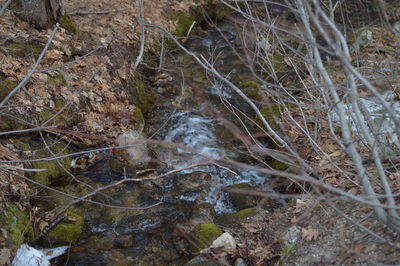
(309,233)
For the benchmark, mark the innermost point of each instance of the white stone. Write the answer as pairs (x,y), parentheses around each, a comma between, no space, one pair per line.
(224,243)
(137,153)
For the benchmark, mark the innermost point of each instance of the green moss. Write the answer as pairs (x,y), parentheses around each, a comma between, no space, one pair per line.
(6,86)
(278,165)
(54,172)
(317,208)
(120,167)
(187,21)
(68,231)
(142,96)
(240,200)
(362,38)
(205,234)
(68,24)
(58,80)
(253,90)
(17,225)
(22,144)
(275,66)
(236,217)
(24,50)
(292,201)
(139,119)
(184,21)
(271,113)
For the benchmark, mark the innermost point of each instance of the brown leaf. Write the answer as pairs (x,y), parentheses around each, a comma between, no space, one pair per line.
(309,233)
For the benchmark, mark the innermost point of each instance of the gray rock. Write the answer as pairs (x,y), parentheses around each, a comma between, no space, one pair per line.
(201,261)
(240,262)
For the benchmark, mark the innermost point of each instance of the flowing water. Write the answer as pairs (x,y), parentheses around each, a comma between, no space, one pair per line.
(177,119)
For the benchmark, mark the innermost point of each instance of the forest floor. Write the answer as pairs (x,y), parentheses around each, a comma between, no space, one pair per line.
(95,60)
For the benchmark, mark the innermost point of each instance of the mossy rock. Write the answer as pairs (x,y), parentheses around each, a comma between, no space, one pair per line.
(68,231)
(139,119)
(241,200)
(195,17)
(272,114)
(6,86)
(253,90)
(278,165)
(204,208)
(23,50)
(360,39)
(68,24)
(142,95)
(276,66)
(236,217)
(120,167)
(205,234)
(54,174)
(184,20)
(17,225)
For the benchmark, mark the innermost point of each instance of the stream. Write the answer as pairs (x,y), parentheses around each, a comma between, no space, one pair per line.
(149,236)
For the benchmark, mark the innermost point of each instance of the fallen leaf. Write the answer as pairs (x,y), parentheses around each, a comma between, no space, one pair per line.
(309,233)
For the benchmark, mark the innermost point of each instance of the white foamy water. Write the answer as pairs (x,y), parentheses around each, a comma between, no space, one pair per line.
(383,121)
(198,133)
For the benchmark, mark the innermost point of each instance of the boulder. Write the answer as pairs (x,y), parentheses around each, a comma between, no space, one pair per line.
(137,153)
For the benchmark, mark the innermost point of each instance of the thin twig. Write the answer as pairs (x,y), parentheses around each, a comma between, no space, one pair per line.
(142,36)
(5,7)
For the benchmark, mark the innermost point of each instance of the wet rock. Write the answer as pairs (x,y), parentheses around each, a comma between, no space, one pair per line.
(137,154)
(125,241)
(166,153)
(98,243)
(203,212)
(236,217)
(201,261)
(192,186)
(240,196)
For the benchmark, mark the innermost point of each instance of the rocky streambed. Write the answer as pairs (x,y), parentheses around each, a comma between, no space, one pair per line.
(165,220)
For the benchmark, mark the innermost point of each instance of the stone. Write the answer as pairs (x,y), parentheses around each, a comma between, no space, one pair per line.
(225,243)
(240,196)
(201,261)
(240,262)
(137,154)
(236,217)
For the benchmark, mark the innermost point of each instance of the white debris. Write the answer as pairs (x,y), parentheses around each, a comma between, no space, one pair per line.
(29,256)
